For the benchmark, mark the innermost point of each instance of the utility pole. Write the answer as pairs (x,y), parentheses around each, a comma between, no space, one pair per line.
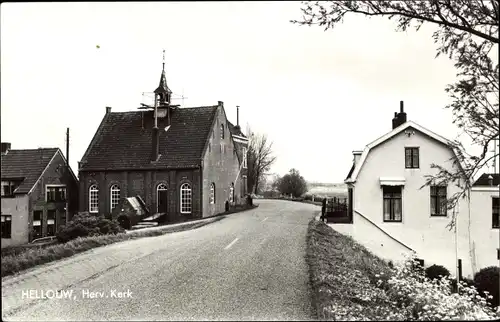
(68,188)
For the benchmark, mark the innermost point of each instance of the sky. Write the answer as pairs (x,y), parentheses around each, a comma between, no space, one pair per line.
(318,95)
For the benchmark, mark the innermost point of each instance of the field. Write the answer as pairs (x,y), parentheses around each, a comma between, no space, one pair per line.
(327,190)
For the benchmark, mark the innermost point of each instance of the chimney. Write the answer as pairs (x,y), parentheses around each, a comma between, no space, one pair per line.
(395,120)
(155,144)
(220,103)
(5,147)
(490,180)
(399,118)
(108,109)
(237,116)
(402,114)
(357,156)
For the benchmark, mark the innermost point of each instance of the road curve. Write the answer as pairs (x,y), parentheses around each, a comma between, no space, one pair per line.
(248,266)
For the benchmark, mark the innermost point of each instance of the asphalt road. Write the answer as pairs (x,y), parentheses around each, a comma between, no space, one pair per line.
(248,266)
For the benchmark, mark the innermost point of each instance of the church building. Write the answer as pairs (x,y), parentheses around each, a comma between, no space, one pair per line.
(184,163)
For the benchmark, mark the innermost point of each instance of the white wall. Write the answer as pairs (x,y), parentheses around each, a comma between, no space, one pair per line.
(18,208)
(373,238)
(485,238)
(427,235)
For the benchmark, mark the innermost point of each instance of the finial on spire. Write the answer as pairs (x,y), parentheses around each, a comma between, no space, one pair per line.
(163,59)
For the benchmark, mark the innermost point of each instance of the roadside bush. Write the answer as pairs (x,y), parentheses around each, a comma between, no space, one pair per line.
(468,282)
(86,225)
(308,197)
(436,272)
(486,280)
(420,298)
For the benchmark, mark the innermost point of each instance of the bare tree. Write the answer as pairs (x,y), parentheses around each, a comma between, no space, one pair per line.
(467,31)
(259,159)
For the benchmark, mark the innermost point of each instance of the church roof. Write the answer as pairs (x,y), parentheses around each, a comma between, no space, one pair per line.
(124,140)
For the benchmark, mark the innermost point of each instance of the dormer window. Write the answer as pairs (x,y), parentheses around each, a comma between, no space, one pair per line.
(8,188)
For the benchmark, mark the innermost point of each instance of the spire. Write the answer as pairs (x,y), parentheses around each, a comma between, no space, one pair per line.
(163,92)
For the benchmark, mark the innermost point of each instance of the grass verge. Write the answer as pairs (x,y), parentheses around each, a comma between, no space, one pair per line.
(343,276)
(12,264)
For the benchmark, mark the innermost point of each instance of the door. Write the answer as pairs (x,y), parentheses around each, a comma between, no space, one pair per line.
(162,199)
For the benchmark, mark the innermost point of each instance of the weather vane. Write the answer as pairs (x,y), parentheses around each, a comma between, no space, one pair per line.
(163,59)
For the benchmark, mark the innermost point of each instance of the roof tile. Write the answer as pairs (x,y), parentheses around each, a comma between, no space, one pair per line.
(26,164)
(483,179)
(124,140)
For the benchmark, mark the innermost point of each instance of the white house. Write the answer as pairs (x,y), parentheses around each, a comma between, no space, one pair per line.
(392,214)
(484,205)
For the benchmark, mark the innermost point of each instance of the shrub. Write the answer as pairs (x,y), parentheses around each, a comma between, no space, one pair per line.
(468,282)
(84,225)
(420,298)
(436,272)
(486,280)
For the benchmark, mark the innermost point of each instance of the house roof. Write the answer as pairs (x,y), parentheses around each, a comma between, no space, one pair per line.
(350,172)
(484,181)
(124,140)
(26,165)
(410,124)
(235,130)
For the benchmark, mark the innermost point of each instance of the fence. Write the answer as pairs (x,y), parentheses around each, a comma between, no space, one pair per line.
(336,210)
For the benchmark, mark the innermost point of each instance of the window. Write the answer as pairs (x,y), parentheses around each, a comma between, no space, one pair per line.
(186,199)
(222,131)
(244,186)
(438,201)
(37,224)
(495,211)
(115,196)
(212,193)
(93,199)
(51,222)
(55,193)
(8,188)
(231,193)
(411,158)
(392,204)
(244,158)
(6,226)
